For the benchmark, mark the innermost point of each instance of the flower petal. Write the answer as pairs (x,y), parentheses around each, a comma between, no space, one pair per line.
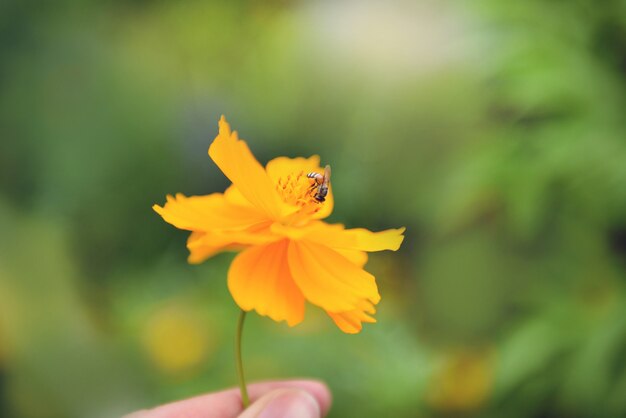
(207,213)
(259,279)
(234,196)
(328,279)
(359,258)
(203,245)
(199,253)
(281,167)
(336,236)
(350,322)
(234,158)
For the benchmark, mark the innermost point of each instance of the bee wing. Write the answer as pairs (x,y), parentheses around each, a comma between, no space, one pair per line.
(327,174)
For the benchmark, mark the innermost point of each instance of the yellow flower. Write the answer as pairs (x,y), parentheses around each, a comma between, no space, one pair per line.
(177,339)
(288,255)
(464,381)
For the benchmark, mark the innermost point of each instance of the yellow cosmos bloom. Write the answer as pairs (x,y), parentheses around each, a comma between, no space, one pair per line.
(288,254)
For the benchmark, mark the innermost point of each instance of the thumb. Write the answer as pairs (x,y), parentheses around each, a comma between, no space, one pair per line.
(284,403)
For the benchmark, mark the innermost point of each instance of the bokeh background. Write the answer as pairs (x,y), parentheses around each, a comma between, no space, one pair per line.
(494,131)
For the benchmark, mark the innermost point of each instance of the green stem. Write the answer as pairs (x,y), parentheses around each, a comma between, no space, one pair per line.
(242,381)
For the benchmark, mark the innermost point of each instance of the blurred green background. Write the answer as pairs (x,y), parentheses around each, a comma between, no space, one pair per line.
(494,131)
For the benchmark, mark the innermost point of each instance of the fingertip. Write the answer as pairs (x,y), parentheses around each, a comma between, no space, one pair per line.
(284,403)
(316,388)
(320,391)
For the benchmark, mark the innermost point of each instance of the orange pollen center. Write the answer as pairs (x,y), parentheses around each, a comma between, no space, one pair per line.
(298,190)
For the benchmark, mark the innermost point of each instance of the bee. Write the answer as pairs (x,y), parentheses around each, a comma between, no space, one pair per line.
(322,181)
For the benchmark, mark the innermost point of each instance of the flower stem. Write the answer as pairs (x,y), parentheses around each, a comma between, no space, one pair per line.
(242,381)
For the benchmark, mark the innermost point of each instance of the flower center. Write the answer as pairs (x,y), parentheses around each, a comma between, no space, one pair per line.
(299,190)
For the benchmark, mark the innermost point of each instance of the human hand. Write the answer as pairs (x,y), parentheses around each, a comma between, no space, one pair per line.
(276,399)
